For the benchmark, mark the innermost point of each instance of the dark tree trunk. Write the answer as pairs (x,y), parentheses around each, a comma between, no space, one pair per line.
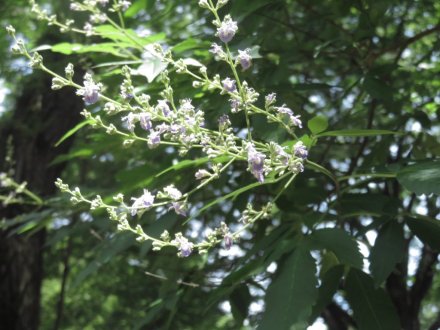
(40,118)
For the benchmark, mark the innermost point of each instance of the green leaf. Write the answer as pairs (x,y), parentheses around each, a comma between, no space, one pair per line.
(323,170)
(357,132)
(240,300)
(426,229)
(372,307)
(105,252)
(378,88)
(68,48)
(328,261)
(110,32)
(187,163)
(329,285)
(269,248)
(292,293)
(387,251)
(317,124)
(340,243)
(73,131)
(79,153)
(421,178)
(151,67)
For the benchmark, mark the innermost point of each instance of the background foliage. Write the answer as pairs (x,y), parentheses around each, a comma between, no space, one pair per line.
(356,248)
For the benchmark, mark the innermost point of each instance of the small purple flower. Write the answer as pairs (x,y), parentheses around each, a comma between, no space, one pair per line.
(163,108)
(179,208)
(186,106)
(228,241)
(124,4)
(296,167)
(88,29)
(131,119)
(270,99)
(177,129)
(162,128)
(224,122)
(185,247)
(284,110)
(145,120)
(229,85)
(172,192)
(90,91)
(201,174)
(235,105)
(143,202)
(294,120)
(300,150)
(244,58)
(216,50)
(282,155)
(153,139)
(256,162)
(228,28)
(190,121)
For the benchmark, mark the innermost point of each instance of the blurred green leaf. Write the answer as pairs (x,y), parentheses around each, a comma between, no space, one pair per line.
(340,243)
(388,250)
(372,308)
(73,131)
(357,132)
(421,178)
(317,124)
(292,293)
(329,285)
(426,229)
(240,300)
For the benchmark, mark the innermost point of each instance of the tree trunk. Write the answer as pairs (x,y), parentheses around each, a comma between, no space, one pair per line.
(40,118)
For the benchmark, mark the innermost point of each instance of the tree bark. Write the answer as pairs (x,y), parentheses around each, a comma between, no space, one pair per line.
(40,118)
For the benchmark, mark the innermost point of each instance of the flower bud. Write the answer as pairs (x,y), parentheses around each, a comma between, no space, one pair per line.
(10,29)
(57,83)
(69,71)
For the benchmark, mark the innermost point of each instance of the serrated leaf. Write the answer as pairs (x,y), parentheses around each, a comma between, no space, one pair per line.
(340,243)
(372,307)
(329,260)
(388,250)
(421,178)
(357,132)
(291,295)
(317,124)
(426,229)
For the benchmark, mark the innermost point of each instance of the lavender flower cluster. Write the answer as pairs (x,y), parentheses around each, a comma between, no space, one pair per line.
(182,125)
